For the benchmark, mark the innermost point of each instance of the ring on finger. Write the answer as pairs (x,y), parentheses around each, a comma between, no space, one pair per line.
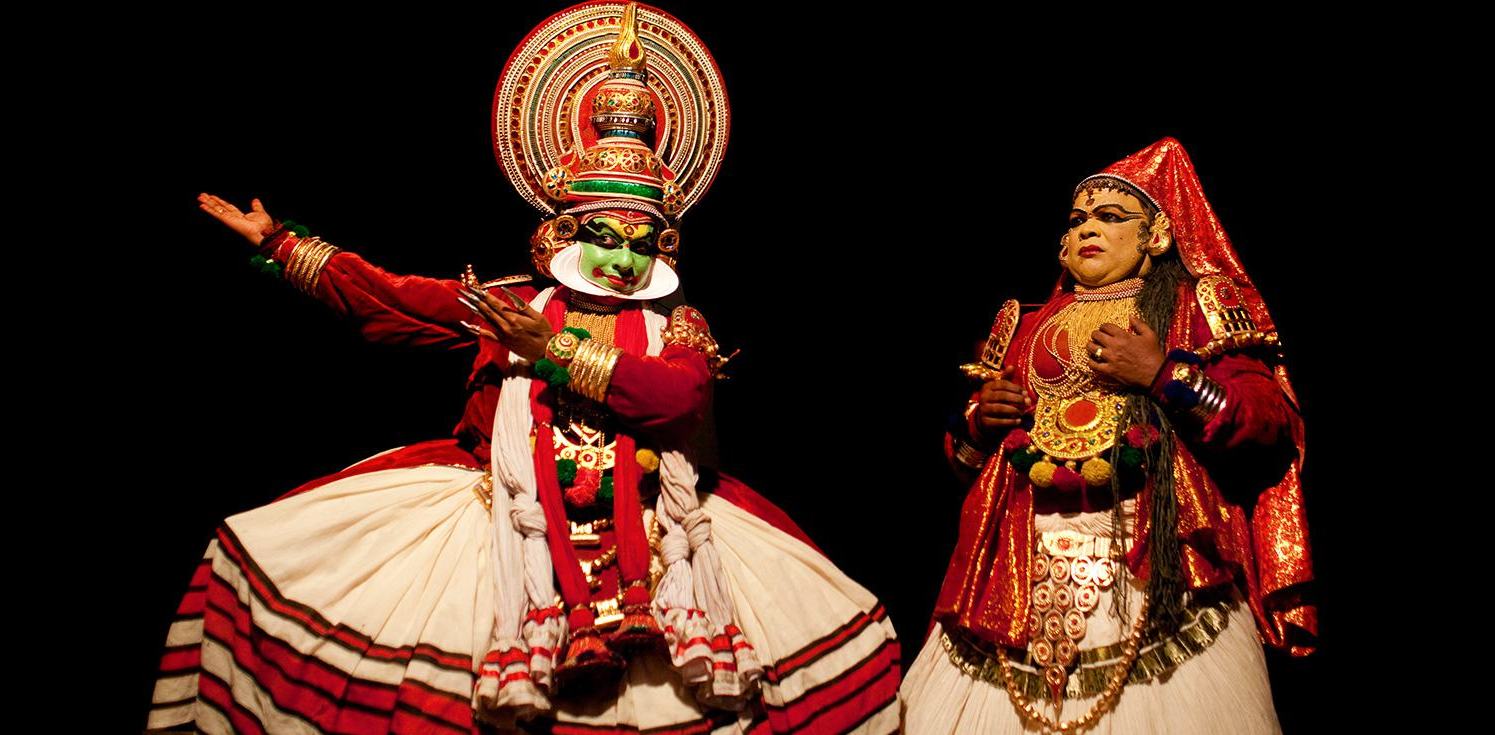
(1098,350)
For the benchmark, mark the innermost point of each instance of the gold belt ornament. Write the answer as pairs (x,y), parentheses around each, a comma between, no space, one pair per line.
(1202,625)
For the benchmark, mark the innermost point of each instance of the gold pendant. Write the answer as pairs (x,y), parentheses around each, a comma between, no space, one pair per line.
(1076,428)
(585,446)
(1069,572)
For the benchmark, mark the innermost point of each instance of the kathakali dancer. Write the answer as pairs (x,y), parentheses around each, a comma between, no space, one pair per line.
(1136,516)
(561,565)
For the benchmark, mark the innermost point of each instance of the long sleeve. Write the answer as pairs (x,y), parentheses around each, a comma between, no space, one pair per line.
(1251,442)
(661,393)
(388,308)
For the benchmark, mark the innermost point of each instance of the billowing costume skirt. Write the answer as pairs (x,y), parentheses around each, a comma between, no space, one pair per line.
(955,684)
(364,606)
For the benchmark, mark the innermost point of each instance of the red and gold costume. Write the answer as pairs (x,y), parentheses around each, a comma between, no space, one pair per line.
(1241,529)
(472,580)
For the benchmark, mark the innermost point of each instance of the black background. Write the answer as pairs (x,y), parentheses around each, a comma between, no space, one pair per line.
(889,181)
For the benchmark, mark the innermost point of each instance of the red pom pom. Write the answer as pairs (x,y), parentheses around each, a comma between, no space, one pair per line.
(1142,436)
(1016,439)
(583,490)
(636,594)
(580,618)
(1068,480)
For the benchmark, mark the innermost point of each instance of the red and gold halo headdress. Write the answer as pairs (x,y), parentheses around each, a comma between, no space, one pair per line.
(609,105)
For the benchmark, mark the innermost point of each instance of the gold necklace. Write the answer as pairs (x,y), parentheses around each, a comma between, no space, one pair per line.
(1078,411)
(601,326)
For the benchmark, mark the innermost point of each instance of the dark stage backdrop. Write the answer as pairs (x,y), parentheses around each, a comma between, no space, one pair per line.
(888,183)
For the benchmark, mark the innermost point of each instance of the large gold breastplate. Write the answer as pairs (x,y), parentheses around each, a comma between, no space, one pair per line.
(1078,410)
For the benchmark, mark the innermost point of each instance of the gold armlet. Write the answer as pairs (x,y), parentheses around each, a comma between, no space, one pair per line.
(687,328)
(304,265)
(1231,325)
(592,369)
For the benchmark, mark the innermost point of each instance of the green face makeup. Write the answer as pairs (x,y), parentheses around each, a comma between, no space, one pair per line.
(615,254)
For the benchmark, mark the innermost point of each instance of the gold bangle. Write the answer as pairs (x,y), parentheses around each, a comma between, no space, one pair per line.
(296,264)
(306,261)
(319,262)
(610,363)
(592,369)
(593,376)
(293,261)
(970,456)
(581,365)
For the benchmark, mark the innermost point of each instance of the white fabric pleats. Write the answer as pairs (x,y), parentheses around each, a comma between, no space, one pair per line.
(1224,689)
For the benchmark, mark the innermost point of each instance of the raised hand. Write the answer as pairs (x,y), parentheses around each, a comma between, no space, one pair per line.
(254,225)
(514,323)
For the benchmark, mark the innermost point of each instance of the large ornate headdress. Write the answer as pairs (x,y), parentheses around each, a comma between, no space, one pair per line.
(608,105)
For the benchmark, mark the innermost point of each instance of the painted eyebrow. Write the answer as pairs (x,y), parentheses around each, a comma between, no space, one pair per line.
(599,227)
(1117,206)
(1077,210)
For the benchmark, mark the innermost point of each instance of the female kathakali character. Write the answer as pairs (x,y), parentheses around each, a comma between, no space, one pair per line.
(1136,515)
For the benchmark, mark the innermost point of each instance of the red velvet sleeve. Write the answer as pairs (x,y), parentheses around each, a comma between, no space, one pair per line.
(665,393)
(1250,442)
(389,309)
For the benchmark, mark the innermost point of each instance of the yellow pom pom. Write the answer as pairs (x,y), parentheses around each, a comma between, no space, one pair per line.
(1096,471)
(1042,473)
(648,460)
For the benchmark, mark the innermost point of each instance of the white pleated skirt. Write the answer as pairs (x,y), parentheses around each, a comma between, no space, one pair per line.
(365,605)
(1223,689)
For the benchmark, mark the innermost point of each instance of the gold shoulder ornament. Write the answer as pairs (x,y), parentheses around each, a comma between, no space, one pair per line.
(1230,323)
(688,328)
(1002,330)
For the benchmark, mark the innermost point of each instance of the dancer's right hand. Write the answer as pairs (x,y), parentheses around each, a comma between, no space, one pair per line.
(254,225)
(1002,405)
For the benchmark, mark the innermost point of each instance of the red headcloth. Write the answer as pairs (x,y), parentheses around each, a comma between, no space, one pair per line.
(1164,173)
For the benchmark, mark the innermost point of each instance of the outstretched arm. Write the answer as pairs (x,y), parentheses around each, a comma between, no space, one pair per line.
(388,308)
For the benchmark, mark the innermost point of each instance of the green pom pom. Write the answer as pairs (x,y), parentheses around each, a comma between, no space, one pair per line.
(605,490)
(565,471)
(1131,458)
(265,265)
(299,230)
(579,332)
(554,374)
(1023,460)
